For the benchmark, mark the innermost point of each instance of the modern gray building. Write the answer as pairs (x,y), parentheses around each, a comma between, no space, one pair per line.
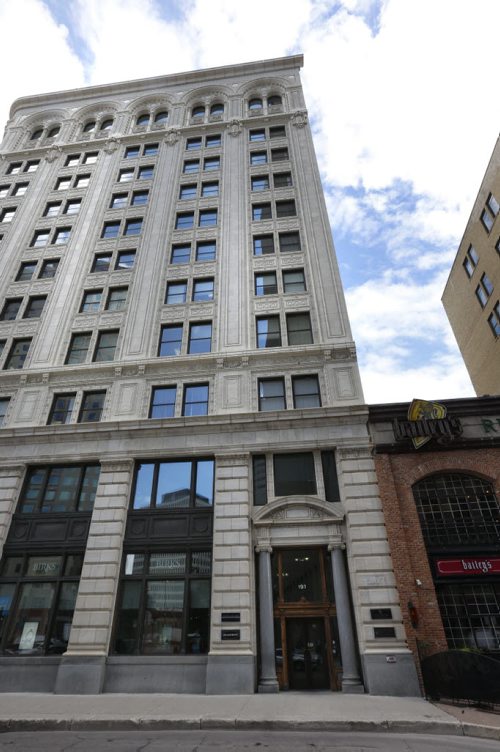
(188,500)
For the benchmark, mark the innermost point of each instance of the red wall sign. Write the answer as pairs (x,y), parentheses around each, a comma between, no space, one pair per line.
(469,565)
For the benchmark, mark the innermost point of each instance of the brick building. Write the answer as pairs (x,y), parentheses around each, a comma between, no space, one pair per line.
(439,481)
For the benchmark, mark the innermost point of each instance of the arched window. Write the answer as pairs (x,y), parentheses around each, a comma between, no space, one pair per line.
(89,126)
(457,509)
(106,125)
(274,100)
(161,117)
(217,109)
(198,111)
(143,119)
(36,134)
(255,104)
(54,131)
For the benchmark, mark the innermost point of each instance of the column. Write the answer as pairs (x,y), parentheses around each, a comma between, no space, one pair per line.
(10,477)
(82,668)
(351,681)
(268,681)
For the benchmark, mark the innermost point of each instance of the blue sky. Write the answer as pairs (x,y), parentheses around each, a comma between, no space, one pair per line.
(404,114)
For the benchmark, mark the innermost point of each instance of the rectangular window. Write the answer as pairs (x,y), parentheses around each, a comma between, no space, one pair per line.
(294,281)
(119,201)
(174,485)
(82,181)
(26,271)
(294,474)
(258,157)
(205,250)
(110,230)
(17,355)
(195,402)
(14,168)
(487,284)
(62,409)
(90,157)
(125,260)
(133,226)
(35,307)
(132,152)
(259,479)
(484,290)
(78,348)
(203,289)
(66,488)
(487,220)
(261,211)
(32,166)
(265,283)
(117,299)
(272,394)
(289,241)
(181,254)
(207,218)
(163,402)
(279,155)
(4,189)
(268,332)
(40,238)
(263,245)
(298,327)
(193,143)
(330,478)
(184,221)
(170,340)
(4,406)
(285,209)
(106,346)
(146,172)
(139,198)
(92,407)
(191,165)
(210,189)
(211,163)
(73,206)
(91,301)
(492,204)
(305,392)
(101,262)
(150,150)
(10,309)
(212,141)
(20,189)
(494,320)
(258,134)
(176,292)
(62,235)
(260,183)
(277,131)
(282,179)
(49,269)
(125,176)
(7,215)
(188,191)
(200,338)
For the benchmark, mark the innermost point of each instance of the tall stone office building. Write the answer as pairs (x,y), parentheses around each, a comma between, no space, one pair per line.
(187,493)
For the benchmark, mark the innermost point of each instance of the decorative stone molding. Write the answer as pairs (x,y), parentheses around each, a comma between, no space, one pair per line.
(352,453)
(53,153)
(337,544)
(262,548)
(234,127)
(299,118)
(229,460)
(111,145)
(116,465)
(172,136)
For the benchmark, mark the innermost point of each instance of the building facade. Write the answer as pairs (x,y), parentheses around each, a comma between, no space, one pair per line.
(471,297)
(439,480)
(188,499)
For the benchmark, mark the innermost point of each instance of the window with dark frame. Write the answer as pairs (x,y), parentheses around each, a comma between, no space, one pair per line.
(259,182)
(4,406)
(263,245)
(91,301)
(105,346)
(18,354)
(261,212)
(26,271)
(203,289)
(294,281)
(294,474)
(92,407)
(34,307)
(299,330)
(305,392)
(62,409)
(195,400)
(163,402)
(170,340)
(125,260)
(181,254)
(268,331)
(117,299)
(494,319)
(176,292)
(101,262)
(78,348)
(205,250)
(265,283)
(289,242)
(48,269)
(10,309)
(200,338)
(271,394)
(282,180)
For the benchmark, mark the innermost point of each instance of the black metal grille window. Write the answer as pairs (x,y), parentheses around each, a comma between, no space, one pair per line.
(457,509)
(37,600)
(165,603)
(66,488)
(471,615)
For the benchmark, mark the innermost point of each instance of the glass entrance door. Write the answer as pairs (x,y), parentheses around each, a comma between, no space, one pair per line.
(306,652)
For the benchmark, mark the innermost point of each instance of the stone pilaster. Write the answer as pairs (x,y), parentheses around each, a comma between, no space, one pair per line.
(10,480)
(231,663)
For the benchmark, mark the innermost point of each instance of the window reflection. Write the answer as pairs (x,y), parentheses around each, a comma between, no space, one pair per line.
(174,485)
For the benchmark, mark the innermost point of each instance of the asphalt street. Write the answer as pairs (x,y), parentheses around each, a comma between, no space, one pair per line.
(237,741)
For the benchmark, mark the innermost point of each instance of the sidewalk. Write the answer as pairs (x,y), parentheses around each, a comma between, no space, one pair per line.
(290,710)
